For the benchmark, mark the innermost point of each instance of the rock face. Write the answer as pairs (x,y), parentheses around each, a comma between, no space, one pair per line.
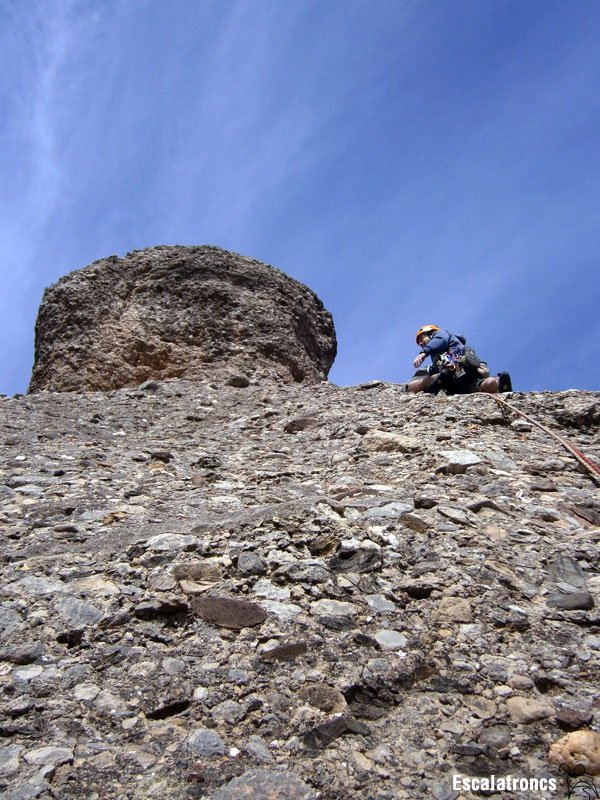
(201,596)
(187,312)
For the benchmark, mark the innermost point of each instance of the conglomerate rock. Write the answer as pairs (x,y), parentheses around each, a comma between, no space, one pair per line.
(187,312)
(203,597)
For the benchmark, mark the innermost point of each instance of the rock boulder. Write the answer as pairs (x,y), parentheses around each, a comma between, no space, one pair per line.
(179,312)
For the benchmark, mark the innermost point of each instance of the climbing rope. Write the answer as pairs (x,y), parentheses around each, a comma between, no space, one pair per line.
(584,460)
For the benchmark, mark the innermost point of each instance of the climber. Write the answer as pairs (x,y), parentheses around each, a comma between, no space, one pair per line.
(456,368)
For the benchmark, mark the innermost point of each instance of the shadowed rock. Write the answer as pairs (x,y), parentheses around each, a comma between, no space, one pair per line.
(235,614)
(179,312)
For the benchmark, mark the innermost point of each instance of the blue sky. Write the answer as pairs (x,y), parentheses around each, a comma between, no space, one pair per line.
(411,161)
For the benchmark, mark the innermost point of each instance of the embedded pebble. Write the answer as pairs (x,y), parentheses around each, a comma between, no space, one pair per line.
(390,640)
(206,744)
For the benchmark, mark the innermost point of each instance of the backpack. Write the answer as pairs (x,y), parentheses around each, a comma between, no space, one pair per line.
(470,360)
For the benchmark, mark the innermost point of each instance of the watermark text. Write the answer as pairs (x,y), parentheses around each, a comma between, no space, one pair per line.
(503,783)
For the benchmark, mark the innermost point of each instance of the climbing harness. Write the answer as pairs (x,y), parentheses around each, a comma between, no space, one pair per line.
(449,362)
(584,460)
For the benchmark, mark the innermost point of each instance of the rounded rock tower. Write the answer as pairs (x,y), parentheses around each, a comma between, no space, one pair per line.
(179,312)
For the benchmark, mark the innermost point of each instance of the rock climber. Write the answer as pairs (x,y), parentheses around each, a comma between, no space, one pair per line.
(455,368)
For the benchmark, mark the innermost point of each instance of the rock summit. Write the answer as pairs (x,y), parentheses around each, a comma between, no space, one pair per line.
(179,312)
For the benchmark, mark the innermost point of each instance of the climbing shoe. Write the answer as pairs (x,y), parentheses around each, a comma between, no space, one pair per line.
(504,382)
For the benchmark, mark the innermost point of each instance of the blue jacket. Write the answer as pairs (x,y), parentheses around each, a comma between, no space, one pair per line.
(442,342)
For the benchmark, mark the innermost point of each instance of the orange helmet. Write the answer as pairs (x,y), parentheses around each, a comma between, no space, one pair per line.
(426,329)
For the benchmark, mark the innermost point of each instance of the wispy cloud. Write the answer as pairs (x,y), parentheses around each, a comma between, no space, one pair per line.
(46,42)
(38,77)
